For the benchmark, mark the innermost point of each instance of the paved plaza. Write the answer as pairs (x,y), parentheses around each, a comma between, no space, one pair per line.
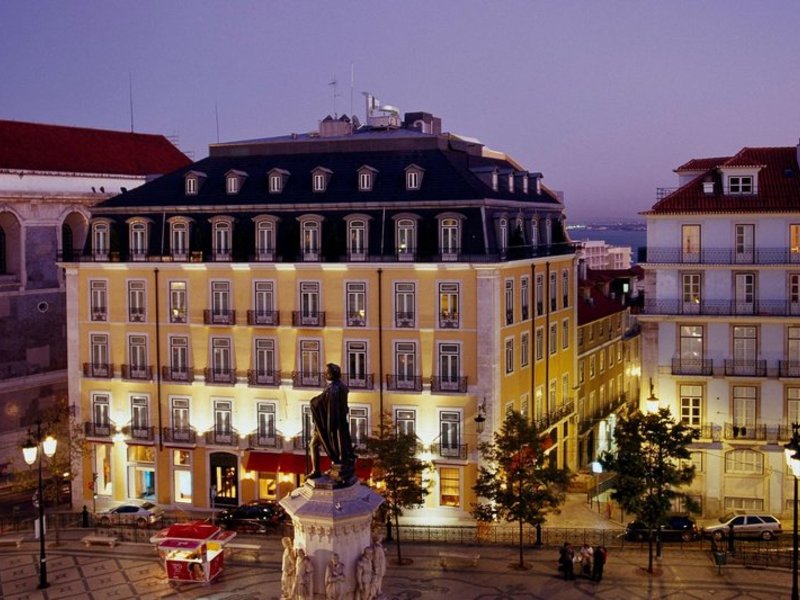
(132,571)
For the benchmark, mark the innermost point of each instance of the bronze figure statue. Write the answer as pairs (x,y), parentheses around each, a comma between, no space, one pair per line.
(332,429)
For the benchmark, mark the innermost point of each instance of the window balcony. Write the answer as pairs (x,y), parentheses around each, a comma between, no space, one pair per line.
(99,313)
(136,315)
(356,256)
(137,372)
(404,319)
(256,378)
(270,318)
(299,441)
(302,379)
(177,374)
(723,256)
(745,368)
(221,256)
(692,366)
(767,308)
(406,254)
(404,383)
(99,431)
(179,256)
(789,368)
(359,381)
(177,315)
(745,432)
(449,451)
(137,255)
(708,431)
(308,318)
(220,375)
(264,255)
(179,435)
(449,384)
(526,313)
(448,320)
(139,433)
(356,319)
(222,437)
(260,439)
(509,317)
(449,253)
(98,370)
(219,317)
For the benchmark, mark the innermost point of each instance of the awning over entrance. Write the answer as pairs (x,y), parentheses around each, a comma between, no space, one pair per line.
(287,462)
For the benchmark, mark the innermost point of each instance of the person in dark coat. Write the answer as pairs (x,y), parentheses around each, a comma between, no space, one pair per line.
(600,554)
(331,428)
(568,561)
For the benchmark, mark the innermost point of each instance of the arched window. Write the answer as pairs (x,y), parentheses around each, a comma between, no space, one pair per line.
(265,240)
(100,240)
(66,242)
(406,239)
(310,240)
(138,240)
(357,239)
(449,241)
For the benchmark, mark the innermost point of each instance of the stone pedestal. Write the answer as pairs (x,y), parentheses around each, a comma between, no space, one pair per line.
(328,520)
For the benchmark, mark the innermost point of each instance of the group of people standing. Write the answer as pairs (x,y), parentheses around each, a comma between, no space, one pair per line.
(297,573)
(589,561)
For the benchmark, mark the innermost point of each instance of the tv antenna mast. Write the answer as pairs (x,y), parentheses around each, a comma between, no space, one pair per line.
(334,85)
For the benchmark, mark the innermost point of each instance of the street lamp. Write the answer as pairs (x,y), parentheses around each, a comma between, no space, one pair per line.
(480,419)
(31,453)
(792,454)
(651,404)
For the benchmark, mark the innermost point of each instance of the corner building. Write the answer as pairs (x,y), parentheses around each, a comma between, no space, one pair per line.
(206,304)
(721,324)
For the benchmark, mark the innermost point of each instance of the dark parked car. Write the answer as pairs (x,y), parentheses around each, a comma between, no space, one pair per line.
(258,516)
(674,529)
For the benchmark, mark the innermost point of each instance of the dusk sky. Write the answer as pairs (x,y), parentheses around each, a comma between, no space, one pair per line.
(604,97)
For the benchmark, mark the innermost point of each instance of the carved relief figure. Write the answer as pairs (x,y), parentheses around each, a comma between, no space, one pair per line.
(364,575)
(288,569)
(334,579)
(378,566)
(304,577)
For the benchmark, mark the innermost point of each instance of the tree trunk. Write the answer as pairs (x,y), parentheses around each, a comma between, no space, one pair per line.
(649,550)
(521,561)
(397,536)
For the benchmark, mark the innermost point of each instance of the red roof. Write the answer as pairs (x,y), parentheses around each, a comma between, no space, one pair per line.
(778,184)
(597,306)
(39,147)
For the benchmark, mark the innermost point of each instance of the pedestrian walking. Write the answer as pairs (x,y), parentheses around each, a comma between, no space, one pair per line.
(600,557)
(568,561)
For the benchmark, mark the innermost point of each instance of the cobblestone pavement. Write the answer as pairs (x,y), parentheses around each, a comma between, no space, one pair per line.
(131,571)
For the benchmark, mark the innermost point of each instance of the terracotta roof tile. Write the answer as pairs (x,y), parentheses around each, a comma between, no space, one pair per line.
(40,147)
(778,185)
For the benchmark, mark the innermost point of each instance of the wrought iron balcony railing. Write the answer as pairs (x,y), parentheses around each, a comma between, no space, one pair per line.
(220,375)
(142,433)
(98,430)
(98,370)
(448,320)
(723,256)
(692,366)
(404,319)
(219,316)
(264,440)
(140,372)
(301,318)
(449,384)
(753,431)
(222,437)
(257,377)
(179,435)
(745,368)
(264,317)
(359,381)
(177,374)
(402,383)
(307,379)
(767,308)
(789,368)
(451,451)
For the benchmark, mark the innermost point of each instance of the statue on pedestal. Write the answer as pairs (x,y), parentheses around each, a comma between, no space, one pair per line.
(378,566)
(304,577)
(332,430)
(288,569)
(334,579)
(364,575)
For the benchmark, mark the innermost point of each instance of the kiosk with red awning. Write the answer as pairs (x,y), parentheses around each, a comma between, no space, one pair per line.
(192,551)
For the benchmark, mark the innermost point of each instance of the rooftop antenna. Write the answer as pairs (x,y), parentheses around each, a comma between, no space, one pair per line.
(333,83)
(130,95)
(216,115)
(352,85)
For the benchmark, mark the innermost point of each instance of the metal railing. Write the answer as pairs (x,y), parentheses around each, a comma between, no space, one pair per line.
(219,317)
(723,256)
(360,381)
(98,370)
(449,384)
(692,366)
(220,375)
(222,437)
(256,377)
(307,379)
(178,435)
(177,374)
(745,368)
(453,451)
(402,383)
(308,318)
(755,431)
(264,317)
(137,372)
(764,308)
(262,440)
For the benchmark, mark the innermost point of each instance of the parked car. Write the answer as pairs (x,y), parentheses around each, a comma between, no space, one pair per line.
(674,529)
(759,525)
(143,514)
(258,516)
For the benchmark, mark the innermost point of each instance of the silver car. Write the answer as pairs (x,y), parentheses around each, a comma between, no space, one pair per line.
(754,525)
(142,514)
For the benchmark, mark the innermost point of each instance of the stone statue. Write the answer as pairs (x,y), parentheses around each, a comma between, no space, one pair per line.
(288,569)
(364,575)
(334,579)
(378,566)
(304,577)
(332,429)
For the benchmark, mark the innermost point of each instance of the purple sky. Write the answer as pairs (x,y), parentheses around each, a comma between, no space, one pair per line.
(604,97)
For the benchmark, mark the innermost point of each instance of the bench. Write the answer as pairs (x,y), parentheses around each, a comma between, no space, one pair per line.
(8,541)
(99,539)
(458,559)
(254,549)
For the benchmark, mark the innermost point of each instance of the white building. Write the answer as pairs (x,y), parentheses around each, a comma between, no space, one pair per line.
(599,255)
(721,323)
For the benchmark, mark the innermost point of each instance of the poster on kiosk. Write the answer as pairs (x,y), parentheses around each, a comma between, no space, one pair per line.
(192,552)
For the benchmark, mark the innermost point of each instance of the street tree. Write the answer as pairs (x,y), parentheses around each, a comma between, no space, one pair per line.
(516,480)
(651,462)
(397,472)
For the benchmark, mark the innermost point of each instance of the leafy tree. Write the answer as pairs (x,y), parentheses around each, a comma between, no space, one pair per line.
(397,472)
(650,463)
(517,479)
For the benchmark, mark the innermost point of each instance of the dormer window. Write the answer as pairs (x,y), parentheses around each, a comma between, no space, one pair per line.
(357,240)
(265,238)
(740,184)
(192,182)
(414,177)
(511,182)
(100,240)
(179,238)
(310,234)
(137,239)
(495,180)
(525,184)
(320,178)
(233,181)
(366,178)
(222,236)
(276,180)
(406,236)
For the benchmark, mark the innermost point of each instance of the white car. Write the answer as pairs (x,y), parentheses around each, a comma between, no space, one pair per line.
(759,525)
(142,514)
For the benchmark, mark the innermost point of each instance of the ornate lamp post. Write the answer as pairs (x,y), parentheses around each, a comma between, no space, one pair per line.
(792,454)
(480,419)
(31,453)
